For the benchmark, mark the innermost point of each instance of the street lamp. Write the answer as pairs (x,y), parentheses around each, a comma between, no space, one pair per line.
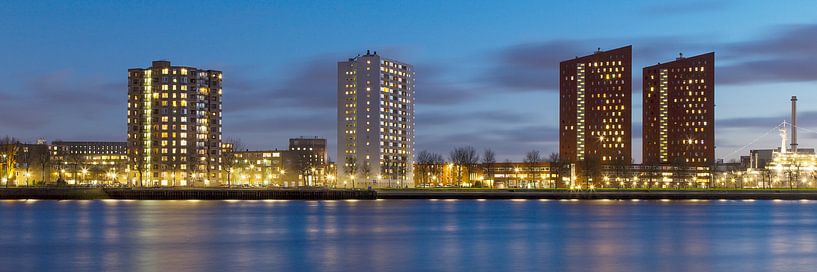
(84,172)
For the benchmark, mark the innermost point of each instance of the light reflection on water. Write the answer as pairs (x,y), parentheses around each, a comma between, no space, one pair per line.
(408,235)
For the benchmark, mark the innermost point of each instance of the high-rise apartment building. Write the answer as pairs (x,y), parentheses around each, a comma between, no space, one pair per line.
(679,111)
(595,106)
(375,121)
(174,125)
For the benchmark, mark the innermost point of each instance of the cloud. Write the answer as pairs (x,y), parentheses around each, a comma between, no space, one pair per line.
(507,142)
(313,84)
(788,55)
(535,66)
(531,66)
(483,117)
(783,54)
(63,100)
(433,90)
(686,7)
(806,120)
(293,124)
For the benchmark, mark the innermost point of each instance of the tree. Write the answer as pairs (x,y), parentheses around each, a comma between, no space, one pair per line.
(305,168)
(463,157)
(138,162)
(44,161)
(26,159)
(8,156)
(680,171)
(532,158)
(350,168)
(366,171)
(556,167)
(488,161)
(591,168)
(621,169)
(424,162)
(77,160)
(229,160)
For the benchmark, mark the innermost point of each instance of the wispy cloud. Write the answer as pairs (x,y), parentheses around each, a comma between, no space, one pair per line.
(667,8)
(62,100)
(782,54)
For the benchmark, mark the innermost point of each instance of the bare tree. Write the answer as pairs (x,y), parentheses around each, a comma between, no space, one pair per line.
(591,168)
(350,167)
(8,156)
(366,171)
(44,161)
(26,159)
(556,167)
(78,161)
(427,164)
(621,168)
(304,166)
(488,161)
(532,158)
(423,166)
(138,162)
(681,171)
(229,160)
(463,157)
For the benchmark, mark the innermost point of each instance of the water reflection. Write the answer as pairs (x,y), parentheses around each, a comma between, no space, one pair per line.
(408,235)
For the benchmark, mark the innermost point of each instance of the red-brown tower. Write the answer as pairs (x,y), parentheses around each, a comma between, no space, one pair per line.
(679,111)
(595,113)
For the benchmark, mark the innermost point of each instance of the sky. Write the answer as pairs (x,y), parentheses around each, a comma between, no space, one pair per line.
(486,71)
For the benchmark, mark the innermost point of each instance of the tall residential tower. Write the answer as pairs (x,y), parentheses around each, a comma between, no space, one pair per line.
(679,111)
(375,121)
(174,125)
(595,117)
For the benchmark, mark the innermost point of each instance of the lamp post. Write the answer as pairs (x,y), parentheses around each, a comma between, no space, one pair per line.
(83,172)
(313,174)
(516,175)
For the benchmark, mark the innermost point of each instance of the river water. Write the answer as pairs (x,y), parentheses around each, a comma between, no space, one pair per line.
(408,235)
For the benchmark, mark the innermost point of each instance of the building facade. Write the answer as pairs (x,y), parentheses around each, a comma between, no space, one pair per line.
(679,111)
(83,162)
(174,125)
(375,121)
(595,120)
(23,164)
(258,168)
(306,161)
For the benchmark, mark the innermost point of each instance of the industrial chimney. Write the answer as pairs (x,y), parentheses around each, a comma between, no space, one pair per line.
(794,124)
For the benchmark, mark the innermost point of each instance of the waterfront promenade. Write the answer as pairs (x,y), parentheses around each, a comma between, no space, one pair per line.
(66,193)
(715,194)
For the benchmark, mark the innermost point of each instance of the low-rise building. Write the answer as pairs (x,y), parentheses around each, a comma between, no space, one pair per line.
(82,162)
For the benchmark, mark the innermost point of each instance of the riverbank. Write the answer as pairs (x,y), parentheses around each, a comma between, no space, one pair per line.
(183,193)
(59,193)
(601,194)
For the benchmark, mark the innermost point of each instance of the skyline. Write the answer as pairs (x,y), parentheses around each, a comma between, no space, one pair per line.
(510,78)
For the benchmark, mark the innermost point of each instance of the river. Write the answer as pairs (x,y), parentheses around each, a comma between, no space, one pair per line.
(408,235)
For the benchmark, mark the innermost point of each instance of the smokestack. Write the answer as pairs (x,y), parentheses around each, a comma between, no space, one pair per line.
(794,124)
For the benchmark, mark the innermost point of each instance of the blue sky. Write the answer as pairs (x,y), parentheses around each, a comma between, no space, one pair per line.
(486,70)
